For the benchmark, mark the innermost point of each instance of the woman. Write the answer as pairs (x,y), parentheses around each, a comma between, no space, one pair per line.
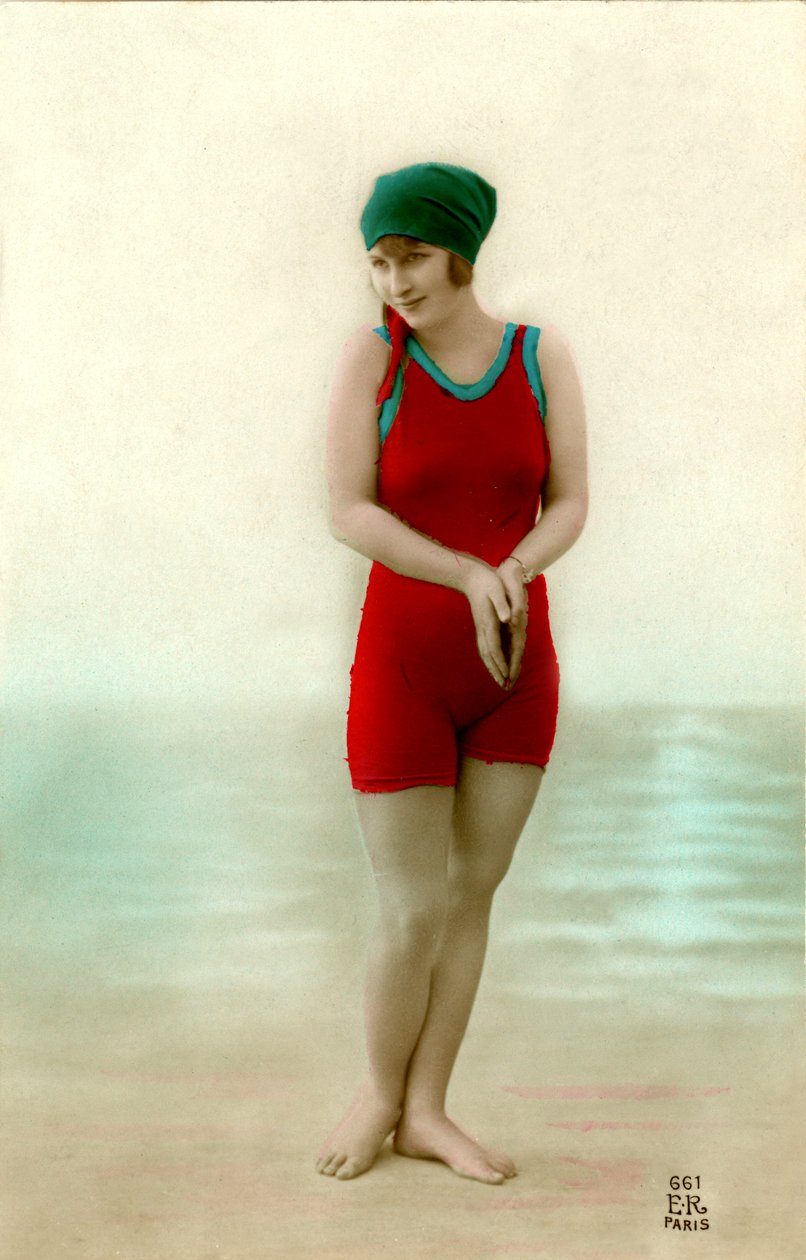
(438,465)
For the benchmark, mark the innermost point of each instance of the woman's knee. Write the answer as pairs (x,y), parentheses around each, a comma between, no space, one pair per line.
(414,920)
(473,880)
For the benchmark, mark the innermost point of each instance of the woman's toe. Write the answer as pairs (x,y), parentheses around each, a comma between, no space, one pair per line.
(480,1170)
(350,1168)
(503,1163)
(494,1177)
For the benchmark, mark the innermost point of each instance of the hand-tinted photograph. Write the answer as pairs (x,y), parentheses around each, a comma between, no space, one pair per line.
(402,756)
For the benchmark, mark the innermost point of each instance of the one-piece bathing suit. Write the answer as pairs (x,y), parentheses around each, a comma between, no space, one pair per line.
(465,465)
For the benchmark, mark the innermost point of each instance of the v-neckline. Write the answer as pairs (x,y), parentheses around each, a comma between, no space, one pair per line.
(473,389)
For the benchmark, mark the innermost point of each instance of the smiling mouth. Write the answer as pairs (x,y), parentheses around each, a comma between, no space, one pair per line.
(409,306)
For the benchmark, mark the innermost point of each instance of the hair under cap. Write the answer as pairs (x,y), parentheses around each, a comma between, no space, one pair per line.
(443,205)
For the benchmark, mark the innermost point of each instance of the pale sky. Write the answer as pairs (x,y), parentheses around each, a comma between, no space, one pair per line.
(182,262)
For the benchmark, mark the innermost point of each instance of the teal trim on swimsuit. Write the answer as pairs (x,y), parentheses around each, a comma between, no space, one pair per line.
(466,393)
(389,409)
(530,340)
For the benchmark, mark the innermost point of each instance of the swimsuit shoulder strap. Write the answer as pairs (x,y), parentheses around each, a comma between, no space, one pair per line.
(390,402)
(531,337)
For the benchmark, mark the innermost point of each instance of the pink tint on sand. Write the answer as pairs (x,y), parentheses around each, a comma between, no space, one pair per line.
(526,1202)
(623,1173)
(550,1203)
(594,1183)
(652,1126)
(633,1093)
(459,1245)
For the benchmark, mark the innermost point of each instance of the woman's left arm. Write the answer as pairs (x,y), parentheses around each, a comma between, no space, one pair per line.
(565,495)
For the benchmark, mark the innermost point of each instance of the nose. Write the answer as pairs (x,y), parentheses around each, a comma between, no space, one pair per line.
(399,282)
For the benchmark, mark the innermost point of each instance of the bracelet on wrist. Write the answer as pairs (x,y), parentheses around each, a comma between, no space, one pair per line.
(527,576)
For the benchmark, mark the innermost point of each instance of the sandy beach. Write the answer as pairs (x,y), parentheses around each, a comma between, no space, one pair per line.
(187,910)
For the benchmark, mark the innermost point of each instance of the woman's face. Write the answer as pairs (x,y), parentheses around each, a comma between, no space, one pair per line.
(414,280)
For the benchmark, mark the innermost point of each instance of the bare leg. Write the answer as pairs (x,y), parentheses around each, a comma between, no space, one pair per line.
(491,807)
(407,835)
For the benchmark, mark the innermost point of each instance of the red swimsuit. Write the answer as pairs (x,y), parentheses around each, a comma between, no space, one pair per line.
(463,464)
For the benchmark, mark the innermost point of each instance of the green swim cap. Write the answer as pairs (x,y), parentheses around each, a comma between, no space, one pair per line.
(442,205)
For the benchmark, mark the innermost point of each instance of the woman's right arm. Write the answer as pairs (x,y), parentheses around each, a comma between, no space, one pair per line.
(359,521)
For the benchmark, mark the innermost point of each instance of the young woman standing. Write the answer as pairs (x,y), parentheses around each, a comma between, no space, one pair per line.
(456,463)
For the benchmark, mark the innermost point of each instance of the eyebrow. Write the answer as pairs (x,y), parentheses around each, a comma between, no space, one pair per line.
(414,249)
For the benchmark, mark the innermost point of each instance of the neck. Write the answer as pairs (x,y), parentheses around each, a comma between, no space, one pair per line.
(466,323)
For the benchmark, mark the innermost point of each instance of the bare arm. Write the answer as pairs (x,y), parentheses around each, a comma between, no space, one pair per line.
(359,521)
(565,496)
(353,450)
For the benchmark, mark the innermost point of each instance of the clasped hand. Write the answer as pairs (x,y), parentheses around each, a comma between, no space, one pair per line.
(499,604)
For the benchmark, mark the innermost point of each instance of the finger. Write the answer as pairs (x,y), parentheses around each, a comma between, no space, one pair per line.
(495,649)
(513,587)
(499,598)
(488,641)
(516,649)
(496,667)
(519,610)
(503,608)
(519,605)
(516,655)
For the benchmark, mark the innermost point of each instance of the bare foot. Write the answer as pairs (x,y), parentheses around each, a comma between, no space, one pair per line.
(353,1145)
(437,1137)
